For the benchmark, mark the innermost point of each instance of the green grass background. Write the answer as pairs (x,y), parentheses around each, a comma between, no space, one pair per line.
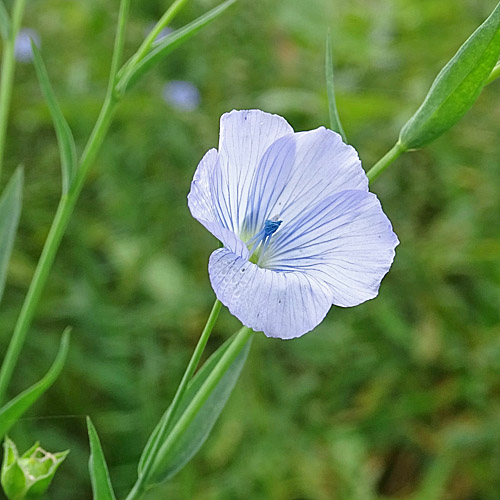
(398,398)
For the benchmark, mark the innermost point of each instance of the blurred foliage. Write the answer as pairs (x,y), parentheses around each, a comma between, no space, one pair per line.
(398,398)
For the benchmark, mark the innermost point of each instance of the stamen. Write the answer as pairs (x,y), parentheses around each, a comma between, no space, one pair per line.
(263,236)
(270,226)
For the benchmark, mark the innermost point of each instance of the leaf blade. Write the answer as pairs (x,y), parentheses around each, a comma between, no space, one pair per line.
(335,123)
(194,385)
(98,469)
(10,211)
(10,412)
(173,459)
(457,86)
(169,43)
(65,140)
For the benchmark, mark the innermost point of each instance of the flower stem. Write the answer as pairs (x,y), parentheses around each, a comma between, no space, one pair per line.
(145,47)
(61,219)
(139,486)
(118,47)
(239,342)
(56,232)
(7,77)
(162,23)
(395,152)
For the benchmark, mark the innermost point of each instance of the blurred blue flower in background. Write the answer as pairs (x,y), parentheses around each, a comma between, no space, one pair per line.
(300,229)
(163,33)
(181,95)
(22,47)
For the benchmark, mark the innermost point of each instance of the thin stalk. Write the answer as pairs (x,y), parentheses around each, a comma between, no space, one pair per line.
(164,21)
(8,69)
(119,44)
(197,402)
(56,232)
(395,152)
(61,219)
(145,47)
(335,123)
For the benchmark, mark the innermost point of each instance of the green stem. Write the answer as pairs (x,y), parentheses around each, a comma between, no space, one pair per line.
(57,229)
(335,123)
(199,400)
(164,21)
(495,73)
(7,77)
(145,47)
(395,152)
(139,486)
(119,44)
(61,219)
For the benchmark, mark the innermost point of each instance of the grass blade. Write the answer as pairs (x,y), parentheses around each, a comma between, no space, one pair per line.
(10,210)
(169,43)
(330,88)
(99,475)
(65,139)
(10,413)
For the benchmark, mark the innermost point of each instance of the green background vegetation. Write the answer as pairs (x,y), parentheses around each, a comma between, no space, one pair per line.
(398,398)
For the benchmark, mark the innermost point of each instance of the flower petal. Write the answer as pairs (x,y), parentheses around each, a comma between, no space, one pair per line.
(203,205)
(346,241)
(301,169)
(244,138)
(281,304)
(200,197)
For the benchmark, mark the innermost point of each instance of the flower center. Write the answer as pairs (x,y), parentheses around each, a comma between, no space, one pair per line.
(258,243)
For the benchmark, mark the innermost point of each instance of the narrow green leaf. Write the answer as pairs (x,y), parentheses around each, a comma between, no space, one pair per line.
(10,413)
(172,460)
(166,45)
(99,475)
(457,86)
(208,366)
(10,210)
(335,123)
(4,21)
(67,150)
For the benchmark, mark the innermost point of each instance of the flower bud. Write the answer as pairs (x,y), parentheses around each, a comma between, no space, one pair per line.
(457,86)
(28,475)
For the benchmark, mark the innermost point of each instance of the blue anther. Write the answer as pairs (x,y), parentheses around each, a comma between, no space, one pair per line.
(264,235)
(270,226)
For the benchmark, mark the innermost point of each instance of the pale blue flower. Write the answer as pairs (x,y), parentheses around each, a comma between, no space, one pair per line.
(22,46)
(181,95)
(300,229)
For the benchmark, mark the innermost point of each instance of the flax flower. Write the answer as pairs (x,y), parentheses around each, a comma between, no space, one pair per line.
(299,227)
